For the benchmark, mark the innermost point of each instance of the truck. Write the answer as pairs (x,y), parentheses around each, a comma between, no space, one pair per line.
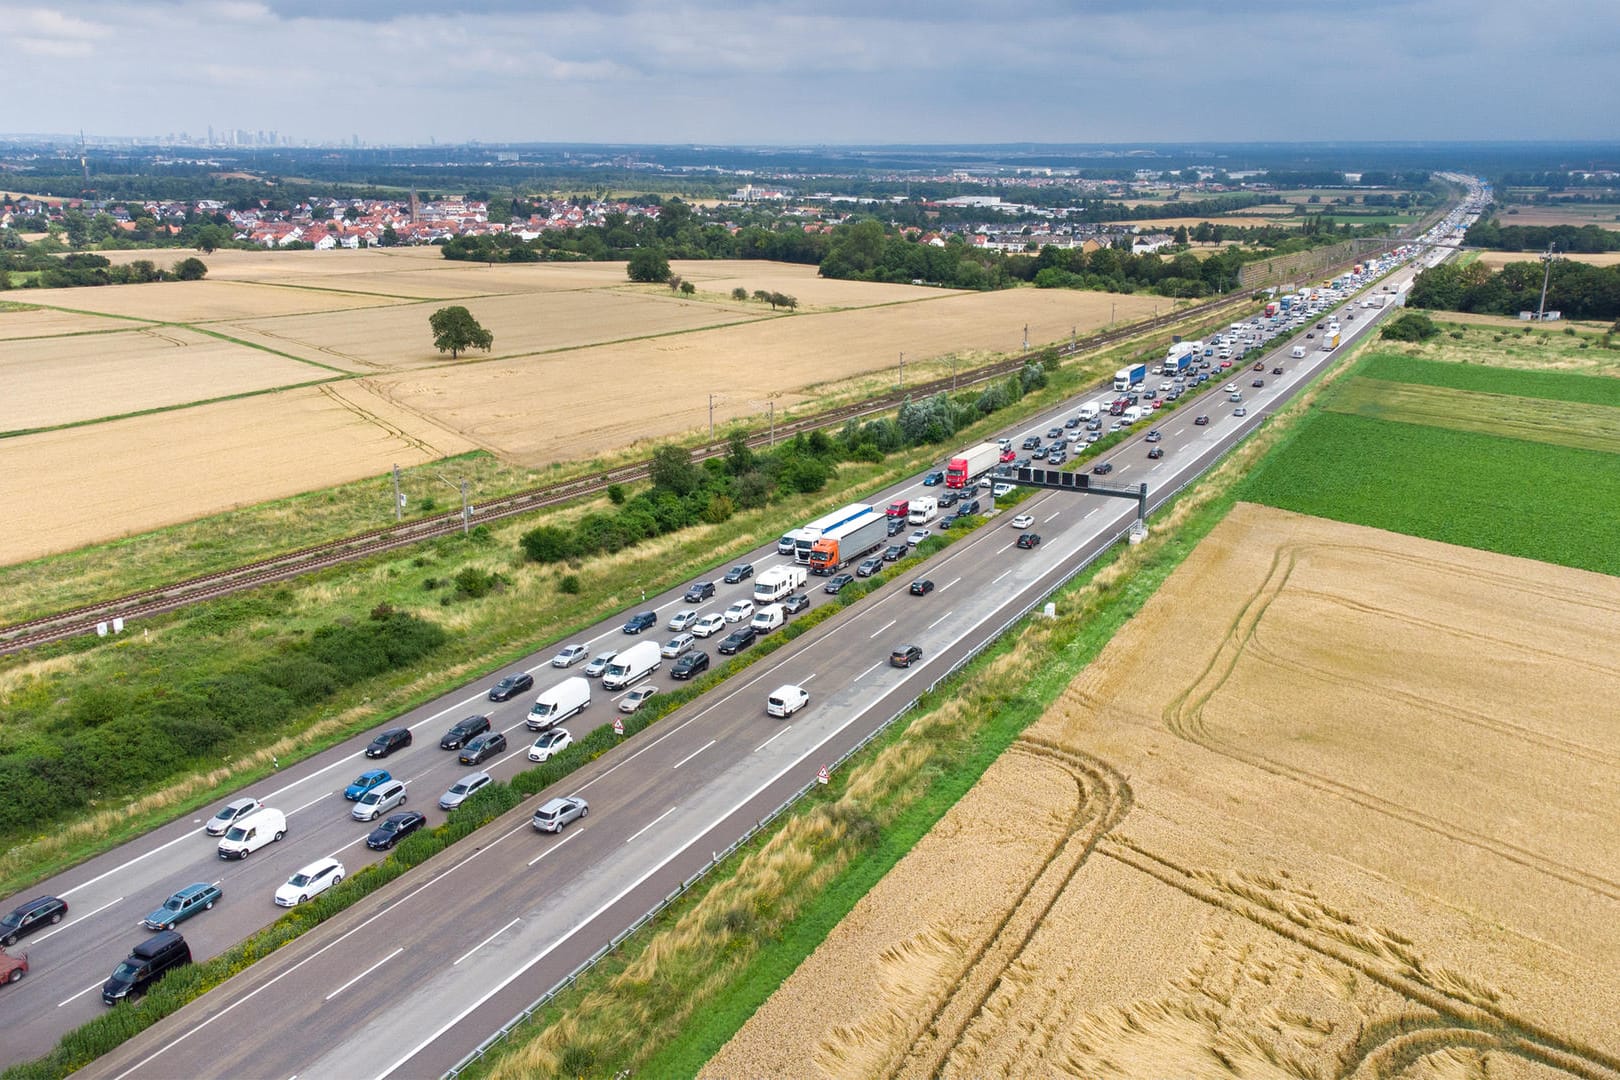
(968,465)
(638,660)
(809,534)
(571,696)
(1272,308)
(1299,351)
(1330,341)
(777,582)
(1287,303)
(1378,300)
(926,509)
(848,542)
(1178,366)
(1127,377)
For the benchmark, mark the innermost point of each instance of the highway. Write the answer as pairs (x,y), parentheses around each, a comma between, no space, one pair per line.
(410,979)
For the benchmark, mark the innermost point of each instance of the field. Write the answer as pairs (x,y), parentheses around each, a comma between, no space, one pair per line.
(1327,807)
(584,364)
(1606,215)
(1498,259)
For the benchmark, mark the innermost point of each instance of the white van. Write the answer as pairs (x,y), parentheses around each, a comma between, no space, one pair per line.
(559,703)
(768,618)
(1133,414)
(1088,412)
(251,833)
(1299,351)
(632,664)
(786,700)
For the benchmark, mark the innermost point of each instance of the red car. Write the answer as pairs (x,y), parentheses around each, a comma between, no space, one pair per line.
(1225,364)
(1009,455)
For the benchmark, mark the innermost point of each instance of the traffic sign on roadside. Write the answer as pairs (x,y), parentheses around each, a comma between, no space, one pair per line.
(618,726)
(822,776)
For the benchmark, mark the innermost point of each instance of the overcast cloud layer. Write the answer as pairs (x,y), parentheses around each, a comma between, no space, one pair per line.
(782,71)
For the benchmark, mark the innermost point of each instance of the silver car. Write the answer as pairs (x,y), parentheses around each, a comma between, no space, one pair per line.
(462,790)
(559,812)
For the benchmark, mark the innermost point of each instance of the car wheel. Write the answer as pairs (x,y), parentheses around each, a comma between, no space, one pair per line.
(402,799)
(279,835)
(56,918)
(16,974)
(9,939)
(584,810)
(303,898)
(243,855)
(208,906)
(168,926)
(337,879)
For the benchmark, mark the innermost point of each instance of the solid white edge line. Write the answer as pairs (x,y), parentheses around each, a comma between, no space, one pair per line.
(773,738)
(552,848)
(76,922)
(692,755)
(649,825)
(880,629)
(486,941)
(364,973)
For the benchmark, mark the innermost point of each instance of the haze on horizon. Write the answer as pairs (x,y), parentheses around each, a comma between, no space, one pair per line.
(789,72)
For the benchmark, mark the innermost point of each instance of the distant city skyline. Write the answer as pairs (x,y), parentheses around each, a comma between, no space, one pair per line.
(407,72)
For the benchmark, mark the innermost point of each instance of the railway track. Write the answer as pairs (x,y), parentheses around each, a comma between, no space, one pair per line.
(45,629)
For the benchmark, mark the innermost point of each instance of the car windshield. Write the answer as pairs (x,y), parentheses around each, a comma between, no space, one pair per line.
(124,972)
(236,833)
(458,789)
(173,903)
(297,879)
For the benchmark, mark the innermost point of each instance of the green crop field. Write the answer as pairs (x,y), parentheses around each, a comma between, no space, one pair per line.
(1551,385)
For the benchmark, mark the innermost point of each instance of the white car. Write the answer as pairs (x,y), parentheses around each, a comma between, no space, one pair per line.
(919,536)
(677,645)
(1001,491)
(712,623)
(551,742)
(1022,521)
(312,880)
(1231,388)
(741,611)
(683,619)
(570,656)
(633,700)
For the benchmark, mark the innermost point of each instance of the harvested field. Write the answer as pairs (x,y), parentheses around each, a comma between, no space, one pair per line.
(1259,215)
(132,475)
(1498,259)
(1332,805)
(21,323)
(199,301)
(1606,215)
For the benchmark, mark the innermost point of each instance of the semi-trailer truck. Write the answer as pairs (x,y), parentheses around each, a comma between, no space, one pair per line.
(1178,365)
(809,534)
(1127,377)
(968,465)
(925,509)
(777,582)
(850,541)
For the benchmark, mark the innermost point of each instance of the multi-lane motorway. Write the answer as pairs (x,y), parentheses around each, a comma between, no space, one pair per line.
(408,980)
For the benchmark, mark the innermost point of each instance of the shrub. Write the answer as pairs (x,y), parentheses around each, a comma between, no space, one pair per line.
(475,584)
(615,494)
(568,584)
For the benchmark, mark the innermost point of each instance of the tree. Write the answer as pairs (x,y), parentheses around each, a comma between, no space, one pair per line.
(648,265)
(455,330)
(672,470)
(687,288)
(739,293)
(192,269)
(1412,326)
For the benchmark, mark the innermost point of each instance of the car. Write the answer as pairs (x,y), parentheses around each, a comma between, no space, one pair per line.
(919,536)
(895,526)
(511,686)
(1057,459)
(1001,491)
(312,880)
(677,645)
(1155,453)
(712,623)
(741,611)
(645,620)
(1029,540)
(463,789)
(1240,411)
(1022,521)
(1234,397)
(1103,468)
(1258,383)
(558,812)
(376,802)
(234,809)
(636,698)
(698,591)
(1310,333)
(1008,455)
(1117,425)
(1231,388)
(739,573)
(12,968)
(693,663)
(1154,436)
(738,640)
(1031,442)
(869,567)
(921,587)
(792,605)
(1200,420)
(682,620)
(1259,365)
(786,700)
(24,919)
(570,656)
(1054,433)
(971,506)
(600,663)
(457,736)
(393,829)
(1276,371)
(386,743)
(365,782)
(550,743)
(183,905)
(1157,403)
(905,656)
(948,499)
(836,583)
(933,479)
(1225,364)
(896,552)
(483,746)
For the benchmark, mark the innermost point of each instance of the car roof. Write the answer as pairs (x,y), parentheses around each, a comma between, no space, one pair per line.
(480,776)
(194,889)
(318,865)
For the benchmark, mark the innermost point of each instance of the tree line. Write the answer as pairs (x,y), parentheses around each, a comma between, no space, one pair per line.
(1583,239)
(45,271)
(1578,290)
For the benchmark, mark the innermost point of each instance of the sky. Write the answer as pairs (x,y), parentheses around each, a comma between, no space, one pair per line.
(751,72)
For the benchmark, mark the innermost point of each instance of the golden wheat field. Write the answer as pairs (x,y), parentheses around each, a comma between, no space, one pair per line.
(1498,259)
(1336,803)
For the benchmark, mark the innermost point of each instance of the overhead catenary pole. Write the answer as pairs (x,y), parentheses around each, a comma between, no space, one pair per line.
(711,418)
(902,371)
(399,500)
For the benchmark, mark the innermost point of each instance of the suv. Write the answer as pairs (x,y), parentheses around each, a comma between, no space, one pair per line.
(26,918)
(383,745)
(739,573)
(378,801)
(482,746)
(869,567)
(559,812)
(792,605)
(698,592)
(693,663)
(905,656)
(147,962)
(457,737)
(738,640)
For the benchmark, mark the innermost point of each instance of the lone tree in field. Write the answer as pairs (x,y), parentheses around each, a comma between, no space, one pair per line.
(648,265)
(455,330)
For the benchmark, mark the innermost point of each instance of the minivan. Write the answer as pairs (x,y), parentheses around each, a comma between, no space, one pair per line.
(378,801)
(146,963)
(251,833)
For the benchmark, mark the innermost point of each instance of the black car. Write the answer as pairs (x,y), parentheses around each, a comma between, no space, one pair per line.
(1032,442)
(738,640)
(1055,433)
(457,737)
(482,746)
(693,663)
(895,552)
(739,573)
(1072,422)
(389,741)
(646,620)
(394,828)
(1276,371)
(869,567)
(511,686)
(1200,421)
(794,604)
(1103,468)
(837,582)
(933,479)
(969,507)
(24,919)
(896,525)
(921,587)
(948,499)
(1029,540)
(698,592)
(1258,383)
(1156,452)
(905,656)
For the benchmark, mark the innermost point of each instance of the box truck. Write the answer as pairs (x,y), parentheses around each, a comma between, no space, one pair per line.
(638,660)
(968,465)
(809,534)
(1091,410)
(571,696)
(926,509)
(1330,341)
(1127,377)
(850,541)
(778,582)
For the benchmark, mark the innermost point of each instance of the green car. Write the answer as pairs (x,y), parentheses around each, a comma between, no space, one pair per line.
(183,905)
